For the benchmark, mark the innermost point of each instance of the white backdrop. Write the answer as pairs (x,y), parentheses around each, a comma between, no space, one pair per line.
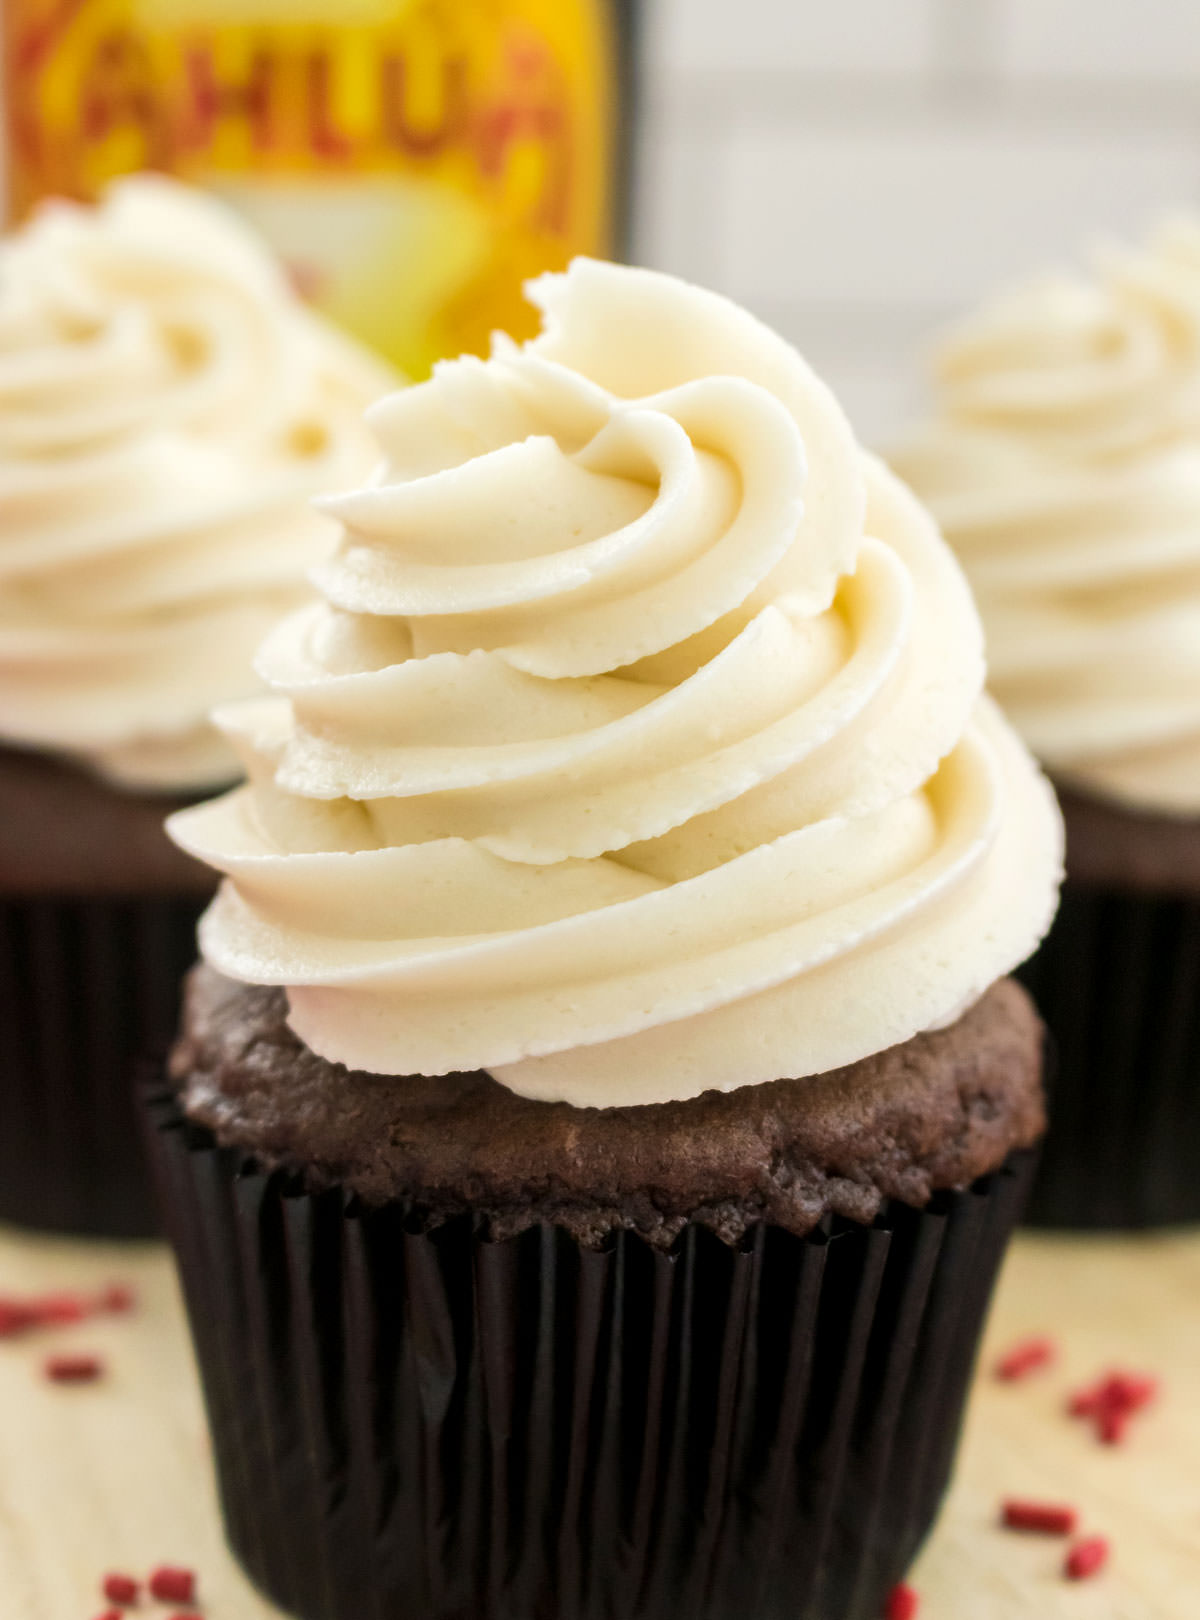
(856,170)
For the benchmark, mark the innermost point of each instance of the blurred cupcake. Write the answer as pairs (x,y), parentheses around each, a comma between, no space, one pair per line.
(167,410)
(1064,467)
(634,760)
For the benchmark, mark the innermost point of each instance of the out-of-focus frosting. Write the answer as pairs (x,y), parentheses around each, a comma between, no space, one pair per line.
(1064,467)
(637,747)
(167,410)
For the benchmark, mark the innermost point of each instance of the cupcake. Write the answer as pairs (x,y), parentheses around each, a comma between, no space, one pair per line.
(1064,466)
(167,410)
(601,1108)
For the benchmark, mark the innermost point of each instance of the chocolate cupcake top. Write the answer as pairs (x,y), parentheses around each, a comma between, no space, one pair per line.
(935,1112)
(637,748)
(1063,463)
(167,410)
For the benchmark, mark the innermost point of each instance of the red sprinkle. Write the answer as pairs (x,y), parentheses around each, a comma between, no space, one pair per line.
(58,1309)
(15,1317)
(1113,1401)
(1086,1558)
(1111,1425)
(1025,1358)
(61,1309)
(121,1589)
(1132,1390)
(1043,1517)
(109,1614)
(902,1604)
(73,1369)
(184,1617)
(171,1585)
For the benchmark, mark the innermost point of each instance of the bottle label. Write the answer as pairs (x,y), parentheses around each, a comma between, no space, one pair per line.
(412,161)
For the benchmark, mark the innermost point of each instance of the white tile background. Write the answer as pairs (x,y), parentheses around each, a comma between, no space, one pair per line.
(858,170)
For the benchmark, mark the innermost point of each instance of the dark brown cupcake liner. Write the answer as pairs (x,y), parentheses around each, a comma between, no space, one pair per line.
(1118,983)
(417,1420)
(89,991)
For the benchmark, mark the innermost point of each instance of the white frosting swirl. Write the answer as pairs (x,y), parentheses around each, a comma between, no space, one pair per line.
(167,410)
(1064,467)
(637,747)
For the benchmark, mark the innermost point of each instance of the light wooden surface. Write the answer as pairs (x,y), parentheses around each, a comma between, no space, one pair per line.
(116,1475)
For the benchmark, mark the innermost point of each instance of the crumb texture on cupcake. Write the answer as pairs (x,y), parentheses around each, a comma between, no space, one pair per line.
(1063,464)
(935,1113)
(637,747)
(168,409)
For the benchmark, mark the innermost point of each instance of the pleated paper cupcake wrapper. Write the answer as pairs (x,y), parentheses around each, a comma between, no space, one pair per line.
(1118,983)
(421,1422)
(89,990)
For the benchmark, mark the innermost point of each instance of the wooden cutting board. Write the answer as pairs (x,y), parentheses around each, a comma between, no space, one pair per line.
(116,1475)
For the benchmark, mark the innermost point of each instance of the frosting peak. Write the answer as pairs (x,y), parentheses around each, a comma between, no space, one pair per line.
(1064,466)
(167,410)
(636,747)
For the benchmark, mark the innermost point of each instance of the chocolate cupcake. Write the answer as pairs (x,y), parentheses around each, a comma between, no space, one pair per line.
(597,1124)
(167,410)
(1064,467)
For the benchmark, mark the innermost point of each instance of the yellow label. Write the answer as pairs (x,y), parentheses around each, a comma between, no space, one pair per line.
(413,161)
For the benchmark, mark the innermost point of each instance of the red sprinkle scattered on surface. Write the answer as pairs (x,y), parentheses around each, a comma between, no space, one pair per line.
(184,1617)
(171,1585)
(1111,1426)
(57,1309)
(902,1604)
(61,1309)
(109,1614)
(1132,1390)
(1112,1401)
(1086,1558)
(1026,1357)
(121,1589)
(15,1318)
(73,1369)
(1046,1518)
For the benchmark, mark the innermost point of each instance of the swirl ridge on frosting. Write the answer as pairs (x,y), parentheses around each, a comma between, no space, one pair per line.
(167,411)
(636,747)
(1063,464)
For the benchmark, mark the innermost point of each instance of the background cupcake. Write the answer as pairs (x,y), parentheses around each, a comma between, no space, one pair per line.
(620,895)
(1064,467)
(167,409)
